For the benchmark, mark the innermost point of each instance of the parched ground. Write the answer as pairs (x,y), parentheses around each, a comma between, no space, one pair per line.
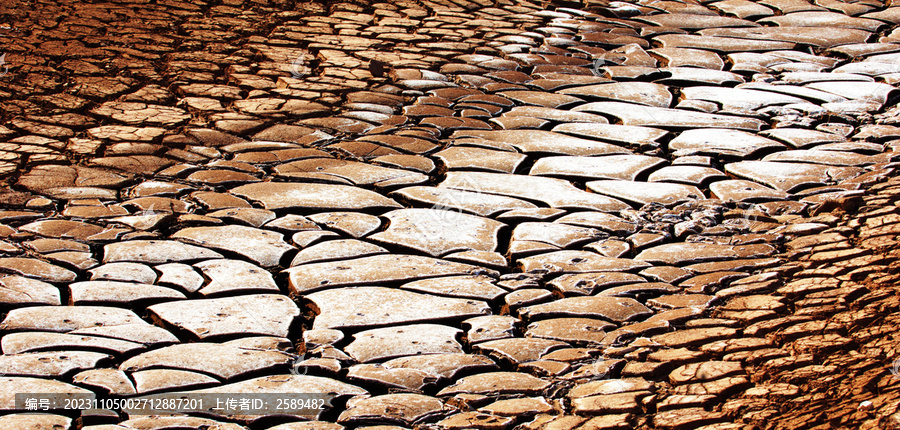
(452,214)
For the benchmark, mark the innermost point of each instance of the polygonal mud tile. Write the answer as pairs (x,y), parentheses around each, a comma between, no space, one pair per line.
(401,408)
(644,93)
(823,19)
(631,114)
(19,290)
(44,246)
(402,378)
(539,141)
(119,293)
(352,223)
(261,314)
(133,272)
(691,175)
(615,309)
(874,92)
(677,57)
(472,158)
(718,142)
(155,252)
(144,220)
(494,383)
(701,301)
(352,172)
(694,336)
(180,275)
(142,333)
(741,190)
(624,167)
(11,385)
(628,134)
(490,327)
(705,371)
(646,192)
(689,21)
(540,98)
(473,287)
(230,276)
(576,331)
(220,177)
(249,216)
(49,364)
(827,157)
(385,343)
(599,220)
(535,214)
(358,307)
(586,284)
(540,115)
(112,381)
(341,249)
(410,162)
(560,235)
(738,98)
(686,418)
(155,380)
(374,270)
(790,177)
(291,223)
(775,38)
(158,204)
(262,246)
(35,421)
(605,404)
(641,289)
(223,361)
(614,248)
(34,268)
(688,252)
(285,195)
(306,238)
(560,262)
(466,201)
(478,420)
(77,260)
(445,366)
(610,386)
(523,407)
(526,296)
(519,350)
(815,96)
(555,193)
(66,318)
(438,232)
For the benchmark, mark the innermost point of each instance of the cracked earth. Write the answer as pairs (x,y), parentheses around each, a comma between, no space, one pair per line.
(453,214)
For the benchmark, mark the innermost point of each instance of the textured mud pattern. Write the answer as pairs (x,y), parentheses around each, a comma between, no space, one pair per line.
(451,214)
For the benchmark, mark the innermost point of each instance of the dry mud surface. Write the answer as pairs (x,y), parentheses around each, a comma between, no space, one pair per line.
(451,214)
